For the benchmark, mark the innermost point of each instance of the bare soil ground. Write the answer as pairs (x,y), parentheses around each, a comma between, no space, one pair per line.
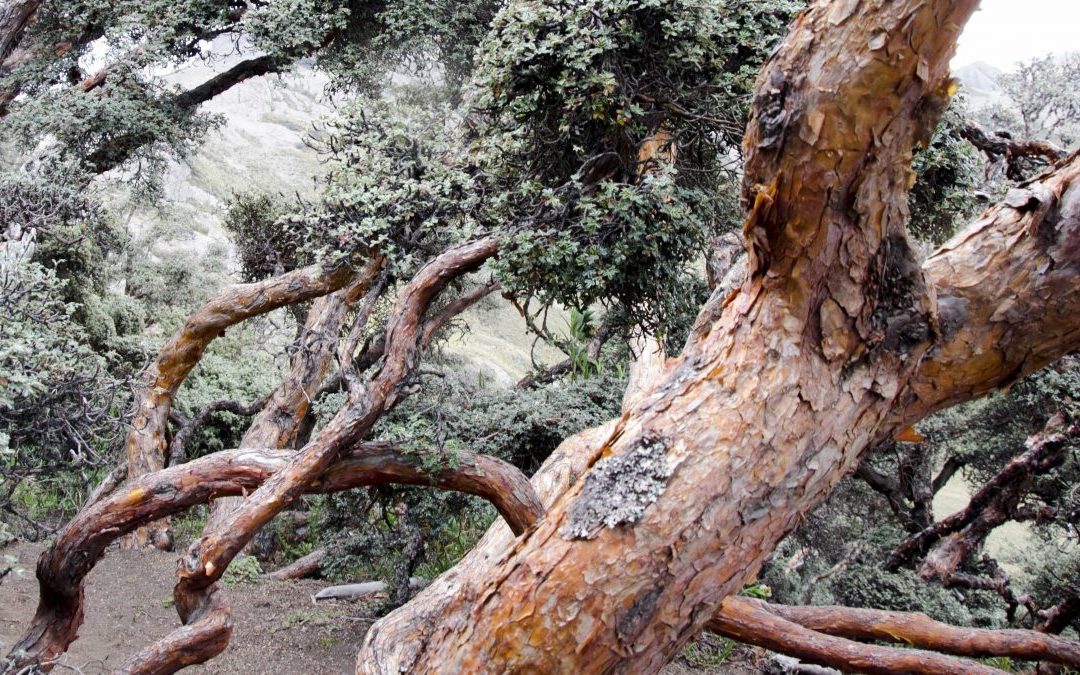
(279,629)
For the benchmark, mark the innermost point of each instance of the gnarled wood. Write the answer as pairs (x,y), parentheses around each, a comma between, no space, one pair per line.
(762,415)
(146,439)
(64,565)
(955,537)
(206,559)
(753,622)
(278,422)
(1001,146)
(919,630)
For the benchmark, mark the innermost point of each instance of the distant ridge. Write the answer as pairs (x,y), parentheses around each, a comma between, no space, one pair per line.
(979,81)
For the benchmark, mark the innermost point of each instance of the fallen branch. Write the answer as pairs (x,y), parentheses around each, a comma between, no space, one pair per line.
(357,591)
(919,630)
(304,567)
(754,622)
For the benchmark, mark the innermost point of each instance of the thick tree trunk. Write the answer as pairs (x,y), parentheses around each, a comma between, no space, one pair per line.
(815,359)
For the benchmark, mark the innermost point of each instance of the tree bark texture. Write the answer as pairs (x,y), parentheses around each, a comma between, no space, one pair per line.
(835,342)
(15,16)
(753,623)
(197,598)
(279,421)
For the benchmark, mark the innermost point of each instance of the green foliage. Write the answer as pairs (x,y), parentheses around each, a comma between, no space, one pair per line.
(434,40)
(244,569)
(948,170)
(265,244)
(577,106)
(289,29)
(581,327)
(1046,94)
(708,651)
(902,591)
(59,406)
(392,187)
(392,533)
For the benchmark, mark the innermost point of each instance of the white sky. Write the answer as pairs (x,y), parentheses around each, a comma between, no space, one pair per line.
(1003,32)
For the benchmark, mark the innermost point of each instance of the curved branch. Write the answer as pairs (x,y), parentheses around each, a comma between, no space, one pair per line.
(999,145)
(989,507)
(753,622)
(279,422)
(63,567)
(920,631)
(762,415)
(146,440)
(206,559)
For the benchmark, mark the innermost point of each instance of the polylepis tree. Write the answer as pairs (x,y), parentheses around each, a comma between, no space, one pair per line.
(839,338)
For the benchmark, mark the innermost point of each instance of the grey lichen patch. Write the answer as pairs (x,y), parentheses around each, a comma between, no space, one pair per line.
(619,489)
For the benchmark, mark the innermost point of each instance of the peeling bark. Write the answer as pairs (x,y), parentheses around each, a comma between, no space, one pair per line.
(843,317)
(205,561)
(279,421)
(765,412)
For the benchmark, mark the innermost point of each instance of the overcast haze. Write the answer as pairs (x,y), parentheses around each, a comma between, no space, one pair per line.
(1006,31)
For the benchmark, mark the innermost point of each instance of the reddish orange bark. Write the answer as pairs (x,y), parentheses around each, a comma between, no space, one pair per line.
(815,359)
(64,565)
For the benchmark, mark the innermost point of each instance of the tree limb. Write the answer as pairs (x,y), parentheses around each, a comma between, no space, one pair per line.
(177,450)
(154,392)
(1000,145)
(65,564)
(916,630)
(991,505)
(753,622)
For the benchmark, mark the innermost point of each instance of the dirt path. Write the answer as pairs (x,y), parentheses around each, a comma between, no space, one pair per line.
(278,627)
